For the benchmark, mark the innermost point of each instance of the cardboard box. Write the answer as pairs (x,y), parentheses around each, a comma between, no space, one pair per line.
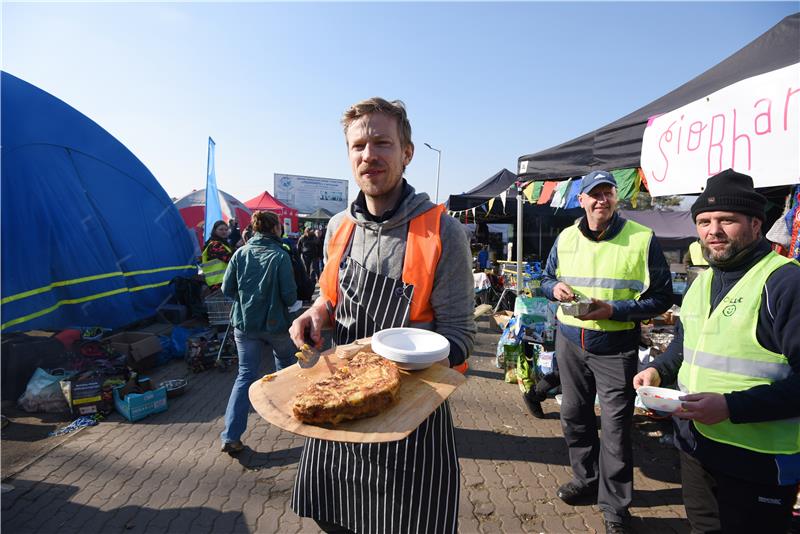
(137,406)
(136,345)
(501,319)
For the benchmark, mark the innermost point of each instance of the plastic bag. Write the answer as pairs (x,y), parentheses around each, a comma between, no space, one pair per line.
(512,355)
(526,370)
(43,393)
(512,335)
(531,309)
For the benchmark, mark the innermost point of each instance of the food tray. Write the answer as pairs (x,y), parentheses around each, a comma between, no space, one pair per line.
(421,392)
(575,309)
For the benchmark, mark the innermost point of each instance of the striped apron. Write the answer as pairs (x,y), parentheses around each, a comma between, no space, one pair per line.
(410,485)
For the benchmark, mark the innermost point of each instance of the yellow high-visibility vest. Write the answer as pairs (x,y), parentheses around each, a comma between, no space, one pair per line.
(615,269)
(213,270)
(721,354)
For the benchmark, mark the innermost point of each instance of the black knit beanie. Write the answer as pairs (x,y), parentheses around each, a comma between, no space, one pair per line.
(730,191)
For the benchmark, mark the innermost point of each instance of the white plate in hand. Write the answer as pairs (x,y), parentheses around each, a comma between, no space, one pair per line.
(660,399)
(411,348)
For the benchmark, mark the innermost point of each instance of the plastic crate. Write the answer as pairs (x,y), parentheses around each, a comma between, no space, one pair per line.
(137,406)
(219,308)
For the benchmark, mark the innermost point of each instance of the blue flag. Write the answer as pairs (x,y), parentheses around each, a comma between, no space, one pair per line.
(213,208)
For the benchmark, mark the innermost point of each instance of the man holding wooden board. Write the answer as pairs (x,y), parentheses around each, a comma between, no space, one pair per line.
(392,259)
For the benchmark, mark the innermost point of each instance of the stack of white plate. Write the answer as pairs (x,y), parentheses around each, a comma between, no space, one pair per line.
(411,348)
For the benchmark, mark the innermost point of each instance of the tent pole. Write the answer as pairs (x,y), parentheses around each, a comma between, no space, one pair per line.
(519,241)
(540,237)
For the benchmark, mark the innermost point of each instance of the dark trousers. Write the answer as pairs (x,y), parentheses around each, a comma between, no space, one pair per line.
(309,262)
(719,503)
(606,461)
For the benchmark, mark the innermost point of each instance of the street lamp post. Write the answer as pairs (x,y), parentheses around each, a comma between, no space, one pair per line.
(438,168)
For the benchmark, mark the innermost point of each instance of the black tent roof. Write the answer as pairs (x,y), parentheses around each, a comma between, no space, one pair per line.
(618,145)
(489,188)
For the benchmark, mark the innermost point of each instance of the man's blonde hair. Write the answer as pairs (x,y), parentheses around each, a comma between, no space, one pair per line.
(376,104)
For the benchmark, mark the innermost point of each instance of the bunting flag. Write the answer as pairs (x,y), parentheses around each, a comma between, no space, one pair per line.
(626,180)
(491,203)
(560,194)
(547,192)
(637,184)
(532,191)
(643,178)
(213,207)
(572,195)
(473,214)
(503,199)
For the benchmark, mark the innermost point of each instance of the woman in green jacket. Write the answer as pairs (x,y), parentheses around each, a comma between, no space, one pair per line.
(260,280)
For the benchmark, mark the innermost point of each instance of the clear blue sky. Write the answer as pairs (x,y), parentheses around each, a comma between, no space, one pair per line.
(484,82)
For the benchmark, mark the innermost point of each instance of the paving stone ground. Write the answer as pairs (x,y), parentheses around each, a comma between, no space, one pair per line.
(166,474)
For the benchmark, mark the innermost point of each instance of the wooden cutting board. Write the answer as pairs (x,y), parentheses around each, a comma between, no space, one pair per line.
(421,392)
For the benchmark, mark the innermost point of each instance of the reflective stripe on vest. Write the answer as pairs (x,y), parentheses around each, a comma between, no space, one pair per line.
(615,269)
(721,354)
(213,270)
(423,249)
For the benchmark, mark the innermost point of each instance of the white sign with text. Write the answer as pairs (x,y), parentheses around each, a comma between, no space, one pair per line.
(752,126)
(307,193)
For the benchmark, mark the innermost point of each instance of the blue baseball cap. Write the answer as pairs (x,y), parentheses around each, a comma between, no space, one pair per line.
(596,178)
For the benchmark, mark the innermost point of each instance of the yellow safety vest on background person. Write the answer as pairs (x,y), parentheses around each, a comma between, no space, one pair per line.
(721,354)
(696,254)
(615,269)
(213,270)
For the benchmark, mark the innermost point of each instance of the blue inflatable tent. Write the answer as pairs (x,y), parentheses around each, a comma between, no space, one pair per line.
(89,237)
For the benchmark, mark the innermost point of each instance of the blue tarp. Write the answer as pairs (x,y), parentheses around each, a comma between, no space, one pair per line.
(89,237)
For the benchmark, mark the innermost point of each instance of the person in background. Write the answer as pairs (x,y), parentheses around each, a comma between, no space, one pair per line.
(260,281)
(235,237)
(736,355)
(483,258)
(318,264)
(696,255)
(619,265)
(247,234)
(308,246)
(216,255)
(393,259)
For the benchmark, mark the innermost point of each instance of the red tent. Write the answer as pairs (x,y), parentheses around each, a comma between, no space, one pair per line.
(192,208)
(267,202)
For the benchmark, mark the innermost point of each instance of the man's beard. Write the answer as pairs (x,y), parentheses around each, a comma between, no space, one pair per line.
(736,249)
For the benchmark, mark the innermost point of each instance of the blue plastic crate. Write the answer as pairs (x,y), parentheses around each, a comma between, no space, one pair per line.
(137,406)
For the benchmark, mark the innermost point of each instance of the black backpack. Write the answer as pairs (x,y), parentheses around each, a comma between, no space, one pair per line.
(305,285)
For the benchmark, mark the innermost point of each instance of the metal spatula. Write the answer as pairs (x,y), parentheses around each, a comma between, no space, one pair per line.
(307,356)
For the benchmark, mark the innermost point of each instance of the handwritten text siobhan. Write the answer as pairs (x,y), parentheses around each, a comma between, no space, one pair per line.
(725,138)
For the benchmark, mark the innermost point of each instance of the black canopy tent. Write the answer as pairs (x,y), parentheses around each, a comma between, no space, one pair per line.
(509,211)
(618,144)
(488,189)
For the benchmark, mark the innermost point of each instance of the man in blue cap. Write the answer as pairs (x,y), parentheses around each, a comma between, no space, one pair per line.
(619,267)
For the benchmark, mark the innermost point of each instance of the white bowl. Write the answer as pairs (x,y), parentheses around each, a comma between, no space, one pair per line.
(660,399)
(410,348)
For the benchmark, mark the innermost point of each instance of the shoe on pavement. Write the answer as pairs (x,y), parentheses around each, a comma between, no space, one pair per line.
(232,447)
(573,493)
(534,406)
(616,527)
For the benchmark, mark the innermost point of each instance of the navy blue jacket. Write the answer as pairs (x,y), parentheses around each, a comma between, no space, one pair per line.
(776,330)
(655,300)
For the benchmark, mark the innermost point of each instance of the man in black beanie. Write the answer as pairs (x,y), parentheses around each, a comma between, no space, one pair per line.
(736,356)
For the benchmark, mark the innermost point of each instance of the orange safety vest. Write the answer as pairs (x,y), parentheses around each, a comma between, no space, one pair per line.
(423,250)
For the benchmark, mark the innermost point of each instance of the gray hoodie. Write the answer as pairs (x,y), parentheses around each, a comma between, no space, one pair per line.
(380,247)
